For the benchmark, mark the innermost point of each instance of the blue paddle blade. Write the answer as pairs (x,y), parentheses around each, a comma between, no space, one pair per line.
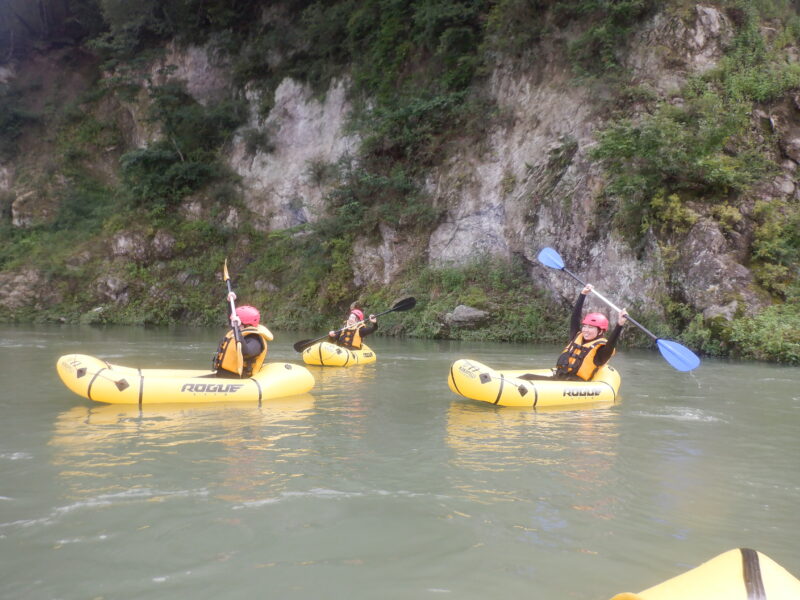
(678,356)
(550,258)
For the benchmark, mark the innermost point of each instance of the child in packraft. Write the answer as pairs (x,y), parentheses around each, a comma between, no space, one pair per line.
(253,348)
(588,349)
(354,331)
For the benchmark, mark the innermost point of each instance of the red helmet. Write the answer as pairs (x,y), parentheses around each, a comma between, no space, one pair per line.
(597,320)
(249,315)
(359,315)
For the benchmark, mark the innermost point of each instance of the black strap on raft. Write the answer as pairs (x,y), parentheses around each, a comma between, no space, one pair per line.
(751,572)
(91,383)
(500,391)
(453,379)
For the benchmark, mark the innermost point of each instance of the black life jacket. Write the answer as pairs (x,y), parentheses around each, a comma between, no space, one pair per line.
(577,360)
(350,338)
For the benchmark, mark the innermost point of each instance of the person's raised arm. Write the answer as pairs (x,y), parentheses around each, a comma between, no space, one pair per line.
(575,321)
(606,351)
(370,328)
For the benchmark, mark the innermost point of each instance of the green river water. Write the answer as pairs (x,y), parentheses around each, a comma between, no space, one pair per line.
(381,483)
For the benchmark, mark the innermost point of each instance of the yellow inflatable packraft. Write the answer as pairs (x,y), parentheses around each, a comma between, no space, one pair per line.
(476,381)
(331,355)
(99,380)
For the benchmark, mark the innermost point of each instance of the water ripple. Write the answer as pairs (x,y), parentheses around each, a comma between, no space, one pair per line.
(324,493)
(683,414)
(16,455)
(127,496)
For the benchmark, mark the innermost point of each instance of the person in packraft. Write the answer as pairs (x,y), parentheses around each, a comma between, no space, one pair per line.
(354,331)
(254,344)
(588,349)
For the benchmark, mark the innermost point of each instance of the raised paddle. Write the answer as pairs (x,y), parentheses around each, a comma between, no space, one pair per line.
(678,356)
(237,335)
(400,305)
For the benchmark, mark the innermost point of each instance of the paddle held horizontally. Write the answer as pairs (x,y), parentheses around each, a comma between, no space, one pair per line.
(400,305)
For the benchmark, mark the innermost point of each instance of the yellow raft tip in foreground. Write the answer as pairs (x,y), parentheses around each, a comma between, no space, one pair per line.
(739,574)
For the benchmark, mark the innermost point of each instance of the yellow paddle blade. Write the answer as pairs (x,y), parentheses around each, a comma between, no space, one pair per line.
(225,275)
(239,358)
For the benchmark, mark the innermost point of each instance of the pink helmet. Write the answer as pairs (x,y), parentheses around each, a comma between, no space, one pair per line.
(597,320)
(359,315)
(249,315)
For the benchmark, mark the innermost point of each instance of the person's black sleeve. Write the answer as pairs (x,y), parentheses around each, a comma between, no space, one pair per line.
(575,321)
(605,351)
(368,329)
(252,346)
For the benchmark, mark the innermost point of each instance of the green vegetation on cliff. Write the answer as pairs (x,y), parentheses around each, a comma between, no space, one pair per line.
(706,150)
(416,69)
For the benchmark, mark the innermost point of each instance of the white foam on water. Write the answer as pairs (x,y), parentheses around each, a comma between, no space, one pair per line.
(79,540)
(684,414)
(325,493)
(10,344)
(256,503)
(333,494)
(16,455)
(313,493)
(101,501)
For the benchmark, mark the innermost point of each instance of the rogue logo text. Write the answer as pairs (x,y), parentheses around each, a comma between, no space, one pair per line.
(208,388)
(582,392)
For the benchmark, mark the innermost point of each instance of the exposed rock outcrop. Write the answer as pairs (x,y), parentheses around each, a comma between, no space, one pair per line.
(463,315)
(670,47)
(282,183)
(206,76)
(18,289)
(380,262)
(711,277)
(113,288)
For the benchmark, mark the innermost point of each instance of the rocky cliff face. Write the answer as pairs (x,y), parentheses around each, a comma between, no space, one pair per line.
(304,133)
(529,184)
